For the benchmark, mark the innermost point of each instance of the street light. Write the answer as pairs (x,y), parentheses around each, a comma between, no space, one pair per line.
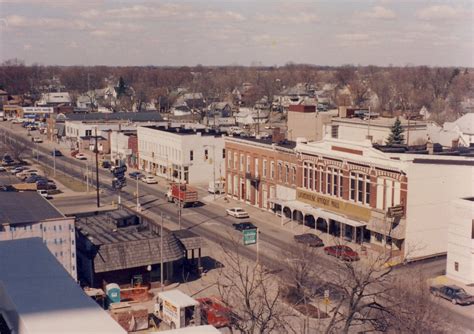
(213,168)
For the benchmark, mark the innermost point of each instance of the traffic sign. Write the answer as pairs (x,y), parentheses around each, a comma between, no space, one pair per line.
(250,237)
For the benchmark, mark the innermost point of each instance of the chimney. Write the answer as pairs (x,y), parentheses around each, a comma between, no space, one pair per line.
(430,147)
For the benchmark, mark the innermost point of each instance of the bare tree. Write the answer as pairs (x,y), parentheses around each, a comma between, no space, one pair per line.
(253,292)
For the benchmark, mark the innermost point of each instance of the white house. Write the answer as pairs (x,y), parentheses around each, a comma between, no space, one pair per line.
(181,154)
(48,99)
(250,116)
(460,264)
(461,131)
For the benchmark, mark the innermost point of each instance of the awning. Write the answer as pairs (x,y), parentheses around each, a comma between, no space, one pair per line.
(316,212)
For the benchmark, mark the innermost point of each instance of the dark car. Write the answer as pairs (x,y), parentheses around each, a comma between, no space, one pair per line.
(106,164)
(244,226)
(57,153)
(342,252)
(135,175)
(453,293)
(35,178)
(309,239)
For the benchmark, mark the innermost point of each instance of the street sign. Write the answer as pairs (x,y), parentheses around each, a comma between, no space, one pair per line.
(250,237)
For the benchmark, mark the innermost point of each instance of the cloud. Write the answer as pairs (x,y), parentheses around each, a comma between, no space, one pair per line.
(285,18)
(353,37)
(380,13)
(23,22)
(27,47)
(440,12)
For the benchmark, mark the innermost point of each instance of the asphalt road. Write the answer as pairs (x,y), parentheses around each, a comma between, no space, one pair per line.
(210,222)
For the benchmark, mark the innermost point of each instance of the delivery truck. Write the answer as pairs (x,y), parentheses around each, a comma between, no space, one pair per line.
(177,309)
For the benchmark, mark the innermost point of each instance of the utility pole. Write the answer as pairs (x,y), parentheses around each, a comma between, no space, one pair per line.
(161,253)
(96,151)
(138,203)
(54,161)
(87,176)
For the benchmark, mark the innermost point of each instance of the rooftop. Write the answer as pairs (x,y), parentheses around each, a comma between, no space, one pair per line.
(119,116)
(42,296)
(183,131)
(33,208)
(380,121)
(126,247)
(288,144)
(438,150)
(179,298)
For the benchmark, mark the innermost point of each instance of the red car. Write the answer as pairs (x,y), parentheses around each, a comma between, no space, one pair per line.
(342,252)
(213,312)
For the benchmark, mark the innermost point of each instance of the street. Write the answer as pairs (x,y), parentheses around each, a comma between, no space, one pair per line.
(208,220)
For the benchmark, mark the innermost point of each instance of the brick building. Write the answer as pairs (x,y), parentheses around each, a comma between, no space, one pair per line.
(258,170)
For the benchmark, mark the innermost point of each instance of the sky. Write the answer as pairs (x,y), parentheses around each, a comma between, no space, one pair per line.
(238,32)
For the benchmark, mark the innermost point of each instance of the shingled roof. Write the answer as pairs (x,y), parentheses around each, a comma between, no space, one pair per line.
(190,240)
(128,247)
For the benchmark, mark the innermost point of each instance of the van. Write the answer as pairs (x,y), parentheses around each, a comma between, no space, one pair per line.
(216,187)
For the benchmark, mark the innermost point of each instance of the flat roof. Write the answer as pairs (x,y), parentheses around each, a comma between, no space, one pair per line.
(26,207)
(381,121)
(207,329)
(43,295)
(289,144)
(178,298)
(183,131)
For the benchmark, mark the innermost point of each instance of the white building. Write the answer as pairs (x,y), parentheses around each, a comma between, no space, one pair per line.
(352,190)
(54,99)
(38,296)
(379,129)
(121,147)
(460,132)
(78,129)
(250,116)
(181,154)
(28,215)
(460,264)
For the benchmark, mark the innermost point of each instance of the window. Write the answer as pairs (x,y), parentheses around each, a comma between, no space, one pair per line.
(229,160)
(334,131)
(272,169)
(73,268)
(256,167)
(280,171)
(472,230)
(456,266)
(44,229)
(61,253)
(248,164)
(242,158)
(54,228)
(55,241)
(264,172)
(191,155)
(293,181)
(60,227)
(206,154)
(310,177)
(73,254)
(236,159)
(88,133)
(359,188)
(305,175)
(287,174)
(223,153)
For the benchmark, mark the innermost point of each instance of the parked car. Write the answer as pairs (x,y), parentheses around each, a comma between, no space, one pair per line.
(36,140)
(244,226)
(44,193)
(3,169)
(342,252)
(149,179)
(57,153)
(18,169)
(309,239)
(106,164)
(81,156)
(453,293)
(26,173)
(237,213)
(7,160)
(35,178)
(135,175)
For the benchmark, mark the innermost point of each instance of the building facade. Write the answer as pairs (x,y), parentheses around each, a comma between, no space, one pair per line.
(258,170)
(124,148)
(460,263)
(181,154)
(41,220)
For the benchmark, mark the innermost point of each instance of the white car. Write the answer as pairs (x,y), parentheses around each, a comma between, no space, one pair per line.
(149,179)
(37,140)
(81,156)
(3,169)
(45,194)
(237,213)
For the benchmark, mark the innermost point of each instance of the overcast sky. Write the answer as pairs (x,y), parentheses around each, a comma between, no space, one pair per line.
(331,32)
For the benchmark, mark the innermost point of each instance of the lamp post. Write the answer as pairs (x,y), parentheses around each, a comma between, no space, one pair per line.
(213,168)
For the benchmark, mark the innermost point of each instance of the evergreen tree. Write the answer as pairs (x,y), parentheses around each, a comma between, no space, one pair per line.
(121,88)
(396,136)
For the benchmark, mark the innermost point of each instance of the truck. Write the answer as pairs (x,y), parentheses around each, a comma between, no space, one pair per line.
(181,193)
(216,187)
(177,309)
(214,312)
